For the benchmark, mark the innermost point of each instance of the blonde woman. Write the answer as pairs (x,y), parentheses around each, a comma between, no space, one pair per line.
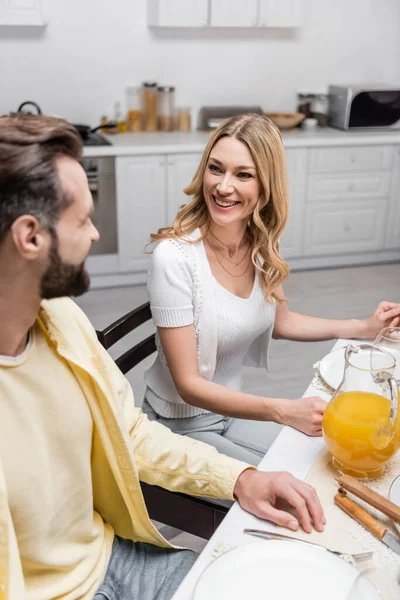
(215,288)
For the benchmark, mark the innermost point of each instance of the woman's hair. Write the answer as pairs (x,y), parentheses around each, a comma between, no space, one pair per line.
(269,217)
(29,146)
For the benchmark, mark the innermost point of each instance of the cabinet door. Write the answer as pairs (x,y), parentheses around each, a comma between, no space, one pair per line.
(393,224)
(181,170)
(141,200)
(291,240)
(281,13)
(355,226)
(178,13)
(23,12)
(234,13)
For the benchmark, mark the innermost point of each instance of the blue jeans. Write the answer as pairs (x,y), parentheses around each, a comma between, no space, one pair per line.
(139,571)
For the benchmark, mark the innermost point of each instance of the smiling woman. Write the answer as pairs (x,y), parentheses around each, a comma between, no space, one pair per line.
(215,288)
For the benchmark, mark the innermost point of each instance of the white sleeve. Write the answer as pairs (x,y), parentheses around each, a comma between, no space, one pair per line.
(170,286)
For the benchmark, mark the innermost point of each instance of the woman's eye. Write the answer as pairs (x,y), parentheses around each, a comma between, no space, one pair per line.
(214,168)
(244,175)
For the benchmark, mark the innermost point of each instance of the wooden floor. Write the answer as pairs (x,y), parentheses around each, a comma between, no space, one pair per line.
(346,293)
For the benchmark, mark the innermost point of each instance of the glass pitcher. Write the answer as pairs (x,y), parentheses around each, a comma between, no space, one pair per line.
(361,424)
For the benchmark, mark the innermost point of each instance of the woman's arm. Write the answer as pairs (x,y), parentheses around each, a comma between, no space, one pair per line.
(301,328)
(179,345)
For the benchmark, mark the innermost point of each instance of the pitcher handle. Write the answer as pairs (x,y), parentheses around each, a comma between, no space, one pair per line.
(394,392)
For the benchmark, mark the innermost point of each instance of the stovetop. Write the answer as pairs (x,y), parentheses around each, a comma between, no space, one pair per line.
(96,139)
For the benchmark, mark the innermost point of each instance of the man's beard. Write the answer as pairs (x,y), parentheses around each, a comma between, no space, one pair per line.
(61,279)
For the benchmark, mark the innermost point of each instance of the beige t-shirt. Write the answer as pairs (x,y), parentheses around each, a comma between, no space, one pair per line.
(45,446)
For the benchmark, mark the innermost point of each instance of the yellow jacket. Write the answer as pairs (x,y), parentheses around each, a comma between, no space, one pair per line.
(126,447)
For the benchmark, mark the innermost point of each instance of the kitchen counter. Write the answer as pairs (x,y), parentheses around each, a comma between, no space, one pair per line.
(130,144)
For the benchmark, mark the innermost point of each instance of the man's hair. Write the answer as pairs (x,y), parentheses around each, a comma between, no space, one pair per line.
(29,146)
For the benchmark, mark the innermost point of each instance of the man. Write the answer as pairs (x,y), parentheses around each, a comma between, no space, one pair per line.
(73,524)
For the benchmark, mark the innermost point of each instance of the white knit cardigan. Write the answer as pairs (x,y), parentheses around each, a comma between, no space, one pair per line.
(176,262)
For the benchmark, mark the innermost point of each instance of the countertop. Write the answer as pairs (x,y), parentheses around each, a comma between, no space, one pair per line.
(130,144)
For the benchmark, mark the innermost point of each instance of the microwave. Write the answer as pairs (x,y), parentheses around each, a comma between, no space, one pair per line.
(364,107)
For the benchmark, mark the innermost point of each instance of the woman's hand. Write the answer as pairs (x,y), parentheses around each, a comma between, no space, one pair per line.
(386,314)
(259,493)
(304,414)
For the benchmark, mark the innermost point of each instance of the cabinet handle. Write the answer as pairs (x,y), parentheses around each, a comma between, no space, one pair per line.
(346,227)
(353,158)
(171,163)
(350,187)
(162,163)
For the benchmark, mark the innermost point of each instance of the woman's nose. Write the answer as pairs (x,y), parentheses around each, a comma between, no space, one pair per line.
(225,186)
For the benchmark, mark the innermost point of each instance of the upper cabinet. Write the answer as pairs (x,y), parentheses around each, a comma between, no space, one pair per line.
(178,13)
(225,13)
(23,12)
(234,13)
(281,13)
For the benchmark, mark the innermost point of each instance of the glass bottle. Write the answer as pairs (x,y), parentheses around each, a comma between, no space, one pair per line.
(166,108)
(320,108)
(134,112)
(150,106)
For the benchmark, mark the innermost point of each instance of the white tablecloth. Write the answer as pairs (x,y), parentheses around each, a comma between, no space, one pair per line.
(292,451)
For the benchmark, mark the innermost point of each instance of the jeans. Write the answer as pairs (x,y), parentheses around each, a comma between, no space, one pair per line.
(139,571)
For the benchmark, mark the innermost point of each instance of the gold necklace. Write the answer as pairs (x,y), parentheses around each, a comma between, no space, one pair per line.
(226,258)
(224,268)
(231,252)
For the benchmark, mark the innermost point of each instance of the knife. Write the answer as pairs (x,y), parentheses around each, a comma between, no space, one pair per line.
(365,493)
(371,524)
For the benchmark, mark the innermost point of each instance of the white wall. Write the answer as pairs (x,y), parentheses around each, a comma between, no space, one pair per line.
(79,66)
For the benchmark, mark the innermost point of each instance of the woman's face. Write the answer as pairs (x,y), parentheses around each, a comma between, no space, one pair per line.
(231,186)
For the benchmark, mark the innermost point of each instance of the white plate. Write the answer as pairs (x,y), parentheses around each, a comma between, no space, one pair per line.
(331,367)
(278,569)
(394,496)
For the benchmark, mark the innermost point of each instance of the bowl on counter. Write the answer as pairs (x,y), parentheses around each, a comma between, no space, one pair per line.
(285,121)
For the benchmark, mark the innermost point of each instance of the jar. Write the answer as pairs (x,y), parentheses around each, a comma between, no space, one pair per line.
(304,101)
(320,109)
(150,106)
(183,118)
(166,108)
(134,109)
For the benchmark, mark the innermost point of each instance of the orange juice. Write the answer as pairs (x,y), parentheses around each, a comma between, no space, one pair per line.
(358,434)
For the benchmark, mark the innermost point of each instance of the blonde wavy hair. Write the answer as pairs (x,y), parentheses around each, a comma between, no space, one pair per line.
(270,215)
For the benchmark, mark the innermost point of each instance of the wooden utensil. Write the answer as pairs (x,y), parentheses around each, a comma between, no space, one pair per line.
(372,525)
(374,499)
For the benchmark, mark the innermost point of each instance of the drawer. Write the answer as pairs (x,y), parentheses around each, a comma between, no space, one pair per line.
(342,228)
(351,158)
(348,185)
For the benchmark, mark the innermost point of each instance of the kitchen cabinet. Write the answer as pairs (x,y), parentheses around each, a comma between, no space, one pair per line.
(23,12)
(178,13)
(281,13)
(234,13)
(393,226)
(291,240)
(180,172)
(141,185)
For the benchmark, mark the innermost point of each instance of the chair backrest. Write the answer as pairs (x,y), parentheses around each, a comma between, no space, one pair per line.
(120,328)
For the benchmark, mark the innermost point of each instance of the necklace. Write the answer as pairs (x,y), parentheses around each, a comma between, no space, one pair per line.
(231,251)
(224,268)
(236,264)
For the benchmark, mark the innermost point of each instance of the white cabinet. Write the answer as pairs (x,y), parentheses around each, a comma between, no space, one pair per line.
(234,13)
(141,185)
(393,225)
(281,13)
(23,12)
(180,172)
(296,162)
(178,13)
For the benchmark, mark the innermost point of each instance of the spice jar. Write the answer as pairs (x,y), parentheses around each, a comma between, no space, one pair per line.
(304,101)
(150,106)
(134,112)
(320,109)
(166,108)
(184,119)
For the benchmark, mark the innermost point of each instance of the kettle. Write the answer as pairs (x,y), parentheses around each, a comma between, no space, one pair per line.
(28,112)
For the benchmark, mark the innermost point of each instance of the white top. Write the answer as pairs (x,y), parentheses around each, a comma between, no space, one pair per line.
(230,331)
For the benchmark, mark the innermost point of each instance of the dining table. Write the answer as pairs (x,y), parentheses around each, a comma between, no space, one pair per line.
(292,451)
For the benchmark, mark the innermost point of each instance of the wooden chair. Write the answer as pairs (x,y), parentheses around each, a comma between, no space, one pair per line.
(191,514)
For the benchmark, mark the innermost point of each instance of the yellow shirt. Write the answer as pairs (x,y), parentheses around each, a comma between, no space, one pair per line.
(64,544)
(126,447)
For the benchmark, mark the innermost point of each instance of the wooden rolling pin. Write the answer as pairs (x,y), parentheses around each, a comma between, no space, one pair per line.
(365,493)
(361,516)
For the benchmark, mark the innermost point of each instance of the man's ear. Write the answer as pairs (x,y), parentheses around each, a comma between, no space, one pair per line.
(31,240)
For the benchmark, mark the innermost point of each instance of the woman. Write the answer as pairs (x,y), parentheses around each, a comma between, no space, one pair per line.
(215,288)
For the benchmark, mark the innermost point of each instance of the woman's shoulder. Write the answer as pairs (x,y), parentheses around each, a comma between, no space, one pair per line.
(177,247)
